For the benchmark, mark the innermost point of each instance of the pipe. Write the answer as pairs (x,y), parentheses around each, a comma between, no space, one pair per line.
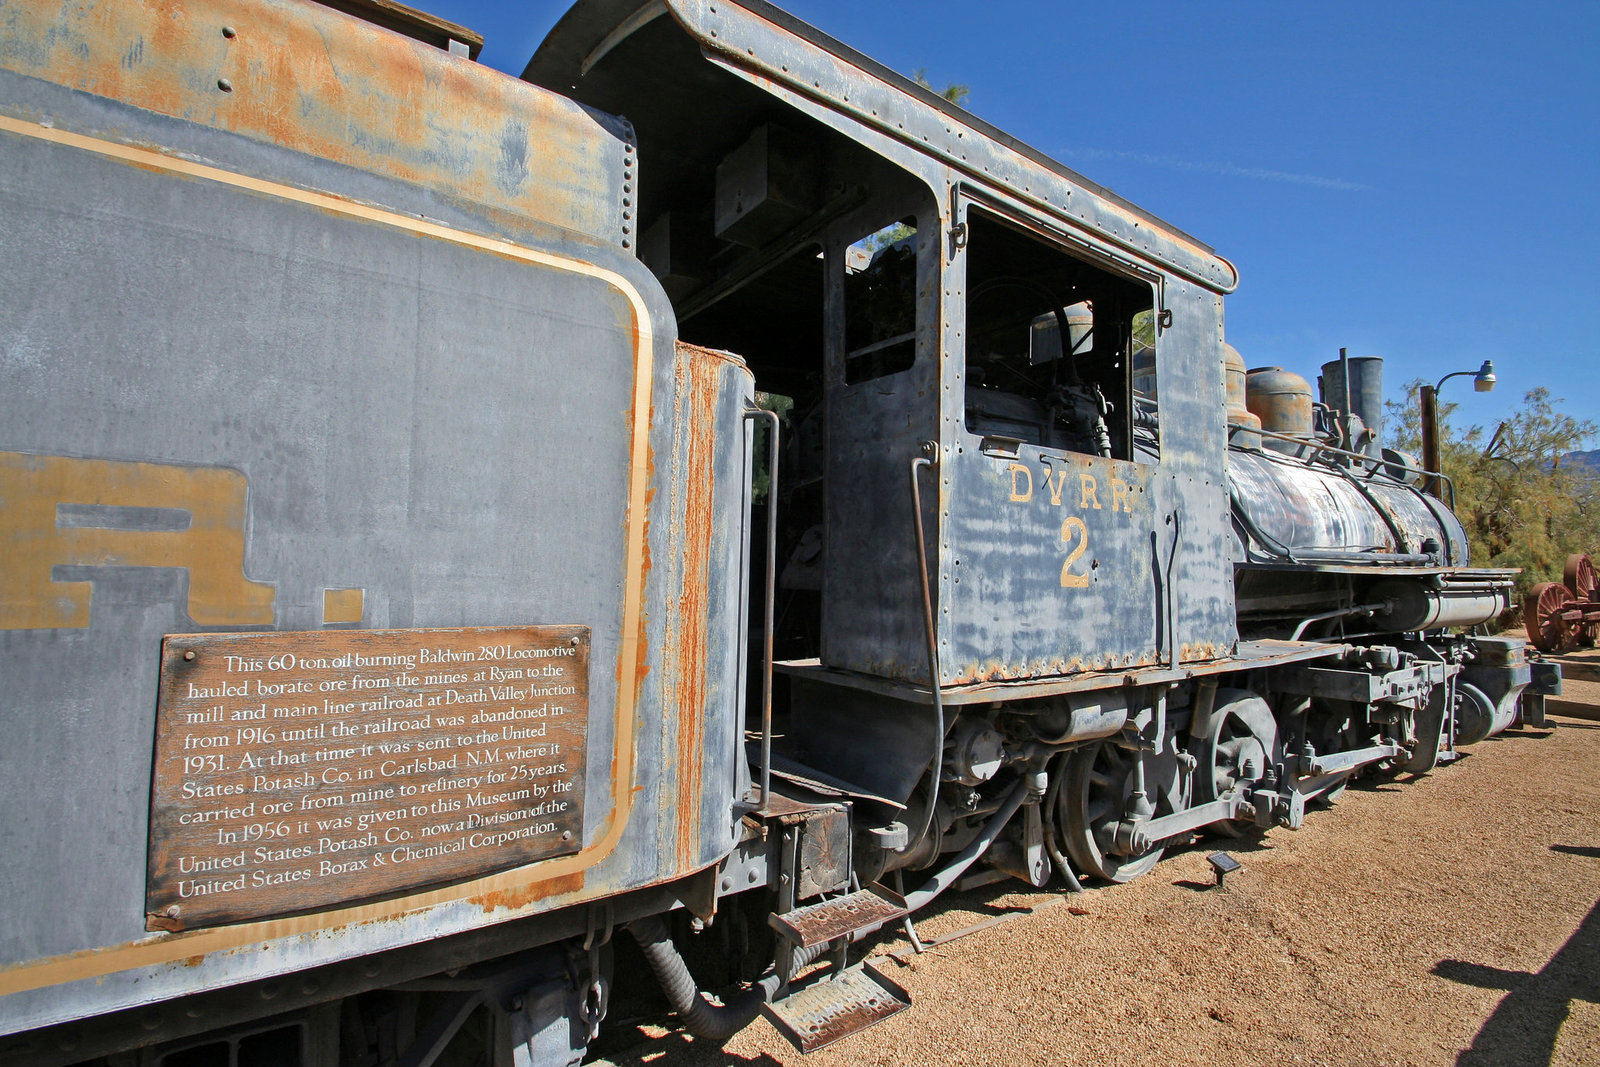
(702,1018)
(1254,532)
(969,855)
(1341,613)
(1341,555)
(931,450)
(1377,463)
(1051,846)
(1349,405)
(1372,502)
(1172,591)
(1318,445)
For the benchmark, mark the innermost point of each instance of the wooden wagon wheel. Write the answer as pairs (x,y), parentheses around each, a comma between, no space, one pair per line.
(1542,611)
(1580,580)
(1579,577)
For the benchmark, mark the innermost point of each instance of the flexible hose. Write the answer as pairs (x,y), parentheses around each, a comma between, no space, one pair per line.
(700,1017)
(1052,846)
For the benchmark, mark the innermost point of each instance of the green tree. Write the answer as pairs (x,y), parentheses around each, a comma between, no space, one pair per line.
(1521,505)
(956,94)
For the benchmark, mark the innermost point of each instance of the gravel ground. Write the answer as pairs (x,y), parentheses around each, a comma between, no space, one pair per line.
(1452,918)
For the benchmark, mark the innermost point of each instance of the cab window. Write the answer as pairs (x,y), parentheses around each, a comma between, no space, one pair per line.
(1060,352)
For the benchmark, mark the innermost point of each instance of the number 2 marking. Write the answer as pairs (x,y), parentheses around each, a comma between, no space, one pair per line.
(1070,525)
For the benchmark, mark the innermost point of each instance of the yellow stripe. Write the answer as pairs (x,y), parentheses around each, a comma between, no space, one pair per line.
(167,948)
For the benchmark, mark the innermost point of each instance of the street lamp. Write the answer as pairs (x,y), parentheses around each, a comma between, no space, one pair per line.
(1483,380)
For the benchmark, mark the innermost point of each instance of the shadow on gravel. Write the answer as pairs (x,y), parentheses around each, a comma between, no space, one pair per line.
(1577,850)
(681,1050)
(1525,731)
(1524,1028)
(629,1042)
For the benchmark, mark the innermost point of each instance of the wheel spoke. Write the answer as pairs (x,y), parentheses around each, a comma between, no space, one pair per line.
(1096,783)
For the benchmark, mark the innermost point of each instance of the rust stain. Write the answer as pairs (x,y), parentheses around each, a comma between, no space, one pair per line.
(641,669)
(316,81)
(694,402)
(520,896)
(1003,671)
(641,661)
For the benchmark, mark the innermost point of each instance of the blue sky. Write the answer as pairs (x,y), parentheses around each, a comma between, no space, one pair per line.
(1411,180)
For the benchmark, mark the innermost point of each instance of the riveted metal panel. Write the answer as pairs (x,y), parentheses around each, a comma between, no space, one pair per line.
(343,397)
(310,79)
(702,659)
(1056,563)
(1159,592)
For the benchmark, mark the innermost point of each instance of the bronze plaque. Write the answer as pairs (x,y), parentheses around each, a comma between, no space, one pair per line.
(300,770)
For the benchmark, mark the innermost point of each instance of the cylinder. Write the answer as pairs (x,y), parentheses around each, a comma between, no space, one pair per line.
(1282,401)
(1401,466)
(1080,329)
(1416,607)
(1082,717)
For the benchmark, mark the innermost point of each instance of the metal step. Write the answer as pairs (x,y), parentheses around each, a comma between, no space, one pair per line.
(826,1011)
(817,924)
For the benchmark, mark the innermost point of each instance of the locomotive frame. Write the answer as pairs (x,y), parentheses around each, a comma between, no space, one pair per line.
(1017,590)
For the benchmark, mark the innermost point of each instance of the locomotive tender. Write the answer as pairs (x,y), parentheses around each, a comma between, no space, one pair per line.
(403,589)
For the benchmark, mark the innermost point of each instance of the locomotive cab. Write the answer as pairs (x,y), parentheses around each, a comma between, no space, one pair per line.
(972,346)
(1009,529)
(909,283)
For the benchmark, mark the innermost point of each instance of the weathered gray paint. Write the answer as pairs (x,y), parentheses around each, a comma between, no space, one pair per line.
(1321,507)
(1002,613)
(443,428)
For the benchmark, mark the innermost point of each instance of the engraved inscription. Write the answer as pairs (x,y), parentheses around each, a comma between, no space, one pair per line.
(300,770)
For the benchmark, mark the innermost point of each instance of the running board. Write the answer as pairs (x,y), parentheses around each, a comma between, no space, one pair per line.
(829,920)
(837,1007)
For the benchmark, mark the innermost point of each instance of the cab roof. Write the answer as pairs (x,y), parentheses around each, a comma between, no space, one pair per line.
(786,58)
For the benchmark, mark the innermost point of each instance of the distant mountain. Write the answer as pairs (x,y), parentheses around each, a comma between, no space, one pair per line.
(1589,460)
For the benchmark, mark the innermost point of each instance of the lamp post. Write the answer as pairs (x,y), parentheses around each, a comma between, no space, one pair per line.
(1483,380)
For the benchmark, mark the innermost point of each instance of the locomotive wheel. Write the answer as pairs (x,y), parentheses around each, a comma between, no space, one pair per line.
(1541,613)
(1243,732)
(1093,798)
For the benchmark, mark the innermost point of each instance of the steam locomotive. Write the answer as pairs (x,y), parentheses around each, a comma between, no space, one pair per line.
(709,484)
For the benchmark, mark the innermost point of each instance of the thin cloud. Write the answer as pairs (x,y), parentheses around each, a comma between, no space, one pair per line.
(1225,169)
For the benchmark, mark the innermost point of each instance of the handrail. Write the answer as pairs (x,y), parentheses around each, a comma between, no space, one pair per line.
(929,459)
(770,595)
